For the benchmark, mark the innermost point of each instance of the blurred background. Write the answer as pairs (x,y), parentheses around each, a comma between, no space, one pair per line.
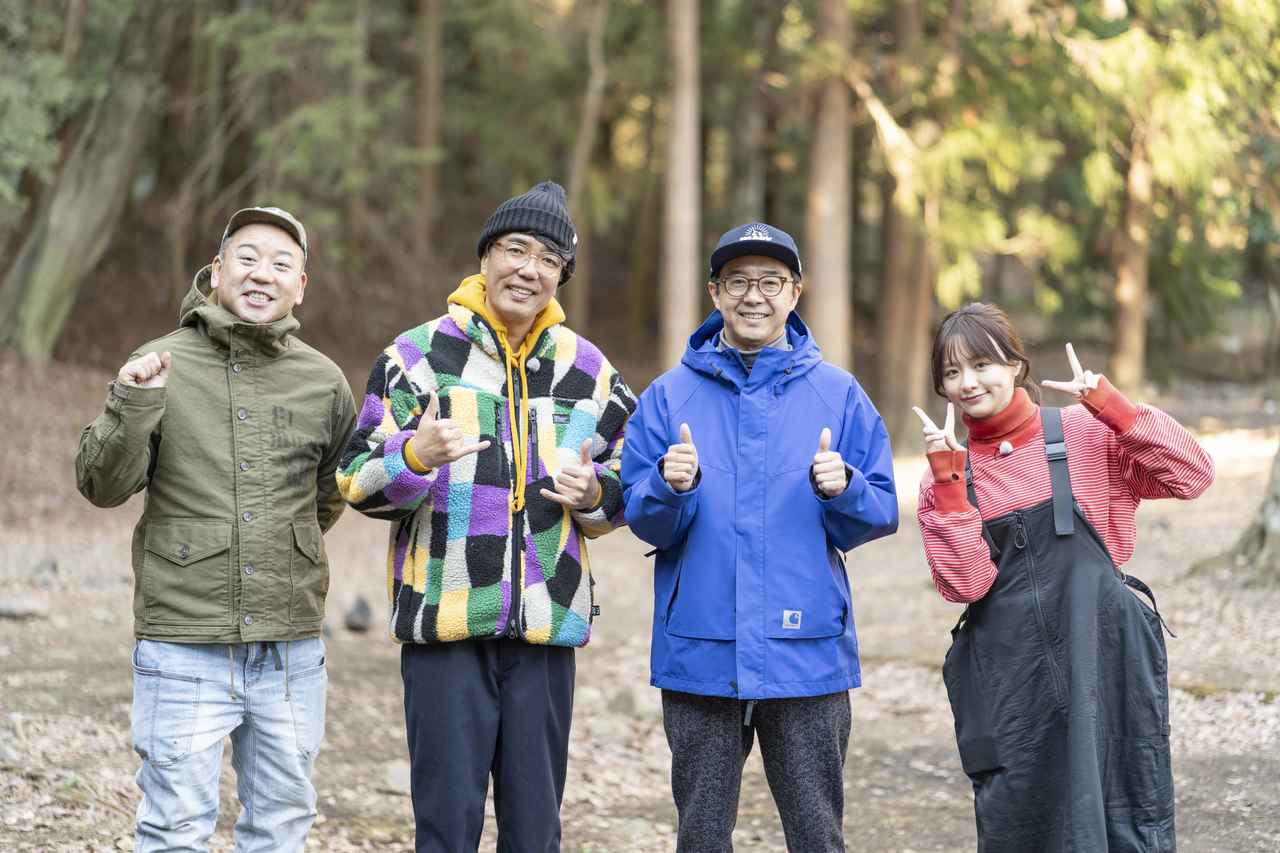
(1106,170)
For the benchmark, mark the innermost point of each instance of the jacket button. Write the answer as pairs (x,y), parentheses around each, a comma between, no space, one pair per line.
(243,414)
(247,516)
(183,551)
(733,685)
(248,620)
(237,367)
(248,569)
(244,466)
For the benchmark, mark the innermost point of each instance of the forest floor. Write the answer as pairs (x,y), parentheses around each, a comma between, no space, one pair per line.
(66,764)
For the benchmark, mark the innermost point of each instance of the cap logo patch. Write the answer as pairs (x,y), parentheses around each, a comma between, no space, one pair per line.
(756,232)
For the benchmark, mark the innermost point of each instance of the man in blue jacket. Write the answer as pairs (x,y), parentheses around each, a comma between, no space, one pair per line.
(751,467)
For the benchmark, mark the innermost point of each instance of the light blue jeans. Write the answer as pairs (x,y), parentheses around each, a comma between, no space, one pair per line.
(269,697)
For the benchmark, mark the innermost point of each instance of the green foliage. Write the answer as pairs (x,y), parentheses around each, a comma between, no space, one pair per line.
(39,92)
(1021,119)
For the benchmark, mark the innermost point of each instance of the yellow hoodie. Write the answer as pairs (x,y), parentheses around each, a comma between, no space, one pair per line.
(471,295)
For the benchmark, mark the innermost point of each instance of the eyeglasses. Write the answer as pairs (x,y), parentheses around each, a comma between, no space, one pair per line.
(769,285)
(547,264)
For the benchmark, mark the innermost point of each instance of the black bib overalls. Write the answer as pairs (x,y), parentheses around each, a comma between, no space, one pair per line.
(1058,683)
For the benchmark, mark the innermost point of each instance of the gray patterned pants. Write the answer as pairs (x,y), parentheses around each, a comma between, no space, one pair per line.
(803,742)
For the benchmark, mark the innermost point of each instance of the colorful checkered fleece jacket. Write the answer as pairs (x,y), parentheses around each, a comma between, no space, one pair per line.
(452,556)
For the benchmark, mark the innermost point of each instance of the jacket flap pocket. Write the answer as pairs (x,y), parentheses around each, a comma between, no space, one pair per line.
(188,540)
(308,538)
(804,624)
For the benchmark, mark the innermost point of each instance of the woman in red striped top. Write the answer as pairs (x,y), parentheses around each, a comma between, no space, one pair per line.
(1051,635)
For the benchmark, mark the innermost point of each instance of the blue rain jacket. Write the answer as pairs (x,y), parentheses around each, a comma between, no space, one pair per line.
(751,599)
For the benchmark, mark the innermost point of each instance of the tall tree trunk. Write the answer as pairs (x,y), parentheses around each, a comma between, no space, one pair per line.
(906,303)
(751,142)
(1255,558)
(430,97)
(357,210)
(1130,250)
(578,302)
(30,187)
(683,220)
(79,212)
(828,290)
(646,247)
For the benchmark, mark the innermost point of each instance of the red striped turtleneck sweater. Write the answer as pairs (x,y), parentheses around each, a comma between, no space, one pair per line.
(1118,453)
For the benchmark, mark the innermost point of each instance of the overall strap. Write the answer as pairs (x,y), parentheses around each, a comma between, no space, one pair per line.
(973,499)
(1055,450)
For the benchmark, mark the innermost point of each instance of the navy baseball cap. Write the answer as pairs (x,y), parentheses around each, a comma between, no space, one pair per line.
(756,238)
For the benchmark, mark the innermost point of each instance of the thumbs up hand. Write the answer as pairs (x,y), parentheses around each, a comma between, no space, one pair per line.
(828,468)
(576,486)
(680,464)
(437,441)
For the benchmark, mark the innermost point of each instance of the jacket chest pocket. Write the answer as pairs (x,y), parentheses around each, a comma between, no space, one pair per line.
(186,571)
(308,573)
(558,426)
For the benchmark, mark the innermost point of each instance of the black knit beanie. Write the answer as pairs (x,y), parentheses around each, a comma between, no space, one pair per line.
(541,212)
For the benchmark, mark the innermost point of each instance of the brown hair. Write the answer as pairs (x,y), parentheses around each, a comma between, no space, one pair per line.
(980,330)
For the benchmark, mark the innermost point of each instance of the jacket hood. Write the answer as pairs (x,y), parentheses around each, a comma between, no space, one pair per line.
(470,294)
(703,356)
(200,312)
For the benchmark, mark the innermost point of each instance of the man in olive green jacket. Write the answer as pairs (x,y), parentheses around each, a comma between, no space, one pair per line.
(234,427)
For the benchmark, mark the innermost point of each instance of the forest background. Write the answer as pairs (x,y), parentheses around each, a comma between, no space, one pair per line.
(1106,170)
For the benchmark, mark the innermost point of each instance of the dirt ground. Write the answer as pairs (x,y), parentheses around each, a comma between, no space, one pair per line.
(66,765)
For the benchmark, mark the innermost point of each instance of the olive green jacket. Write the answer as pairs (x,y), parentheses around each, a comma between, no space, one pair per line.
(237,454)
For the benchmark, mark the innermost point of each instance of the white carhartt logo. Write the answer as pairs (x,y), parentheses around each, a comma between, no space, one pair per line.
(757,232)
(791,619)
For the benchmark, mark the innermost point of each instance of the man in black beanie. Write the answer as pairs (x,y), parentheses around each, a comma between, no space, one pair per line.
(491,438)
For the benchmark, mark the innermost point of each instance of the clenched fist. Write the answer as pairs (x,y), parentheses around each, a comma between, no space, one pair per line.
(147,371)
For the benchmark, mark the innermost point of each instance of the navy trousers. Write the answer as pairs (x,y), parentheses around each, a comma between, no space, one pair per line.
(481,708)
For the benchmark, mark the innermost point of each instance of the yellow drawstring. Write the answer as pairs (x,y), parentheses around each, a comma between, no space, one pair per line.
(519,420)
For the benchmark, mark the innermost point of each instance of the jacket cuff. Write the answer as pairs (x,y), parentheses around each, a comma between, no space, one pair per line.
(411,459)
(1108,405)
(125,392)
(951,496)
(823,496)
(662,489)
(946,465)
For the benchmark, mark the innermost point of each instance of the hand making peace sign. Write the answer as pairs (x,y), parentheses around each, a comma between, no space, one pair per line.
(936,439)
(1082,381)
